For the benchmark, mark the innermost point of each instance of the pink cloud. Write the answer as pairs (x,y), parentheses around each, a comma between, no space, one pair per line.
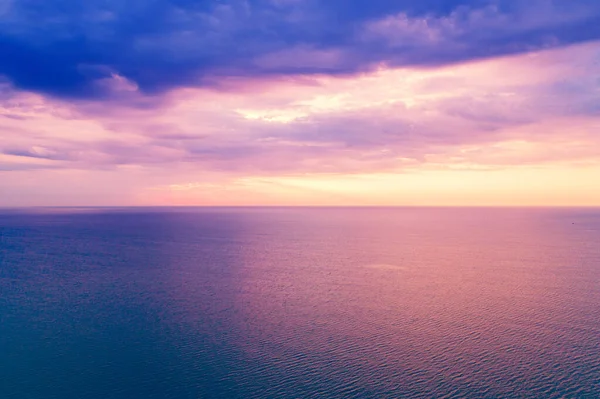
(533,109)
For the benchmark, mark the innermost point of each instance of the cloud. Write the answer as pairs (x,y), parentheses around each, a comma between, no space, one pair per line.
(514,110)
(111,49)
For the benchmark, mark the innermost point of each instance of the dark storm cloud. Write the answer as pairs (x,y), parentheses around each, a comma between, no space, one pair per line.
(67,48)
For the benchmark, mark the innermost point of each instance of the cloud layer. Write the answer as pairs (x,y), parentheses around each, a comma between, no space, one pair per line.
(295,102)
(74,49)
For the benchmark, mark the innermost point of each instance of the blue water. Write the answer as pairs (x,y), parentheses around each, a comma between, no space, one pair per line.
(299,303)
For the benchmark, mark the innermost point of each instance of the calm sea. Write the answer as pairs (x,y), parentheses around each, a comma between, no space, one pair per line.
(299,303)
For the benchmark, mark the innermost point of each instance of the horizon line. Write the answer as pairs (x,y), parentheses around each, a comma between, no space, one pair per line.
(283,206)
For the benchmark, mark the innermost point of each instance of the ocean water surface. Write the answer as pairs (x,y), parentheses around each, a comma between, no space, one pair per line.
(299,303)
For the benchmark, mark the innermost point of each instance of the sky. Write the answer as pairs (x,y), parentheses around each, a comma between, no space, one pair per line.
(300,102)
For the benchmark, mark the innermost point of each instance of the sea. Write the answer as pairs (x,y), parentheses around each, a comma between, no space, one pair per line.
(159,303)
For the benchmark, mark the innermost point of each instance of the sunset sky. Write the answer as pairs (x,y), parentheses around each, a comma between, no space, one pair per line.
(299,102)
